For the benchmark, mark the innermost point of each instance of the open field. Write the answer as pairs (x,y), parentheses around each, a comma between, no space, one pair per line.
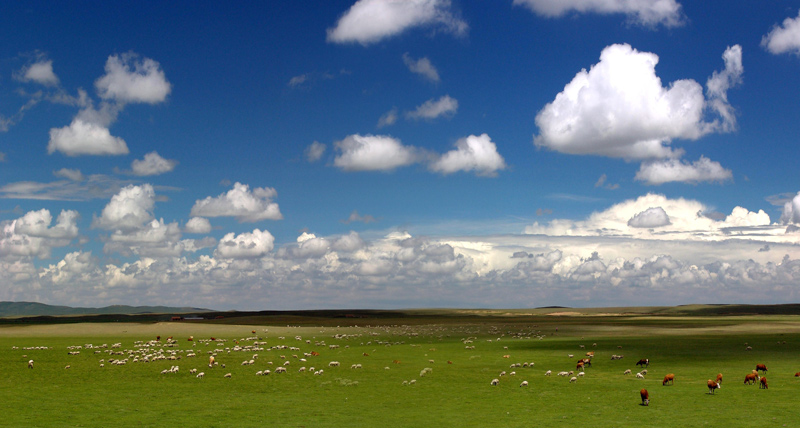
(393,351)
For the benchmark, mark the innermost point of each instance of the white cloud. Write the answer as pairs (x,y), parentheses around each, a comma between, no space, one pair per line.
(37,224)
(719,83)
(373,153)
(129,209)
(32,236)
(246,245)
(369,21)
(40,72)
(70,174)
(241,203)
(421,66)
(298,80)
(619,108)
(473,153)
(645,12)
(650,218)
(314,151)
(152,164)
(198,225)
(84,138)
(674,170)
(784,38)
(432,109)
(791,211)
(388,118)
(129,80)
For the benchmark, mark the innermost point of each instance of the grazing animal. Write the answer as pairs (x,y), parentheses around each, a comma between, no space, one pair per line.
(627,371)
(579,366)
(639,376)
(712,386)
(228,375)
(573,379)
(761,368)
(763,383)
(797,374)
(30,364)
(495,382)
(524,383)
(644,362)
(668,379)
(199,375)
(547,373)
(645,397)
(750,378)
(719,378)
(211,361)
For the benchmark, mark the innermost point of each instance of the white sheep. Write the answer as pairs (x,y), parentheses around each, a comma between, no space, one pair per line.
(627,371)
(639,376)
(573,379)
(495,382)
(30,364)
(581,374)
(548,373)
(333,364)
(524,383)
(228,375)
(200,375)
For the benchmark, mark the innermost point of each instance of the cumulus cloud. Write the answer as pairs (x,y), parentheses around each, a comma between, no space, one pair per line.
(129,209)
(646,12)
(791,211)
(650,218)
(619,108)
(37,224)
(432,109)
(198,225)
(314,151)
(674,170)
(131,79)
(373,153)
(245,245)
(40,72)
(369,21)
(473,153)
(783,38)
(152,164)
(388,118)
(241,203)
(422,67)
(84,138)
(32,236)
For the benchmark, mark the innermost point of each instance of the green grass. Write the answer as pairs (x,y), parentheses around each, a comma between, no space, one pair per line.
(457,394)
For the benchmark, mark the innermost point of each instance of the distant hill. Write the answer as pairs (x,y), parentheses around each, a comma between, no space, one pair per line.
(26,309)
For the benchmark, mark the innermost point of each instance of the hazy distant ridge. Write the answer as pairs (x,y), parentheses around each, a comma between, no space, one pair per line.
(17,309)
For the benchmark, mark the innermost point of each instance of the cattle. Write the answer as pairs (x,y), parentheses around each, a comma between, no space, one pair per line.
(579,366)
(645,397)
(712,386)
(750,378)
(797,374)
(763,383)
(761,368)
(644,362)
(719,378)
(668,379)
(587,362)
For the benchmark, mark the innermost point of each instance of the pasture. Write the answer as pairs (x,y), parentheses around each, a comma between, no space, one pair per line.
(392,386)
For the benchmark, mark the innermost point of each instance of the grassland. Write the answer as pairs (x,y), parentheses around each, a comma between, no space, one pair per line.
(693,347)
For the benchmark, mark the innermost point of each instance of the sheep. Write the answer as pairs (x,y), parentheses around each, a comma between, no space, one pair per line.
(639,376)
(644,372)
(573,379)
(645,397)
(211,361)
(763,383)
(668,379)
(548,373)
(280,369)
(524,383)
(227,375)
(495,382)
(581,374)
(627,372)
(67,366)
(200,375)
(30,364)
(333,364)
(713,386)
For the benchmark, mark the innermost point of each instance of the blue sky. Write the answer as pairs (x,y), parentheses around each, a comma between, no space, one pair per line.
(389,154)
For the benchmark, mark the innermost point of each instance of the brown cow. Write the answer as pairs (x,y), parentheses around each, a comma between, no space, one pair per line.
(763,383)
(668,379)
(761,367)
(712,386)
(644,362)
(750,378)
(587,362)
(579,366)
(797,374)
(719,378)
(645,397)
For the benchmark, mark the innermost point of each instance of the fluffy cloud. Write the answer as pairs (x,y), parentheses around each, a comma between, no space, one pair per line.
(241,203)
(315,151)
(129,209)
(619,108)
(198,225)
(40,72)
(791,211)
(369,21)
(246,245)
(473,153)
(421,66)
(152,164)
(129,79)
(84,138)
(432,109)
(784,38)
(646,12)
(674,170)
(32,236)
(650,218)
(373,153)
(37,224)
